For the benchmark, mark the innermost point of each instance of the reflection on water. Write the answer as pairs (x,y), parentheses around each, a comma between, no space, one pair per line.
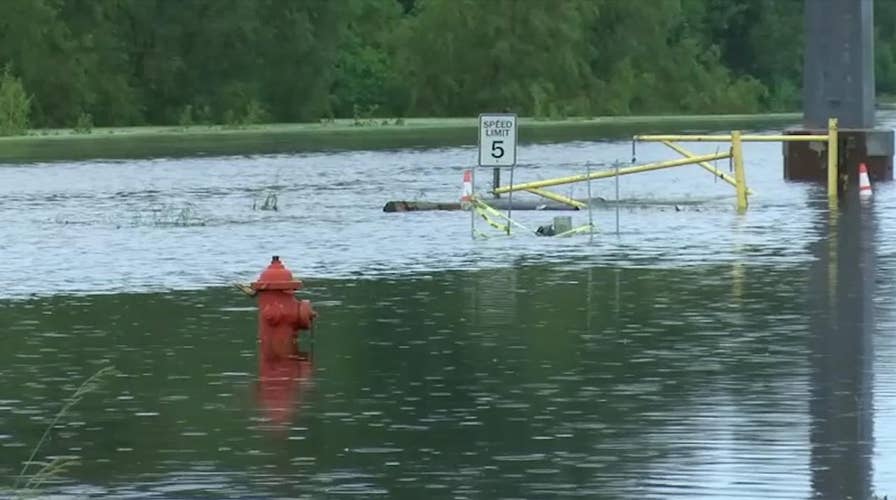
(281,387)
(841,291)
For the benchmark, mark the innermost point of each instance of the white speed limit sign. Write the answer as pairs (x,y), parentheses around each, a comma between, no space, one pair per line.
(497,139)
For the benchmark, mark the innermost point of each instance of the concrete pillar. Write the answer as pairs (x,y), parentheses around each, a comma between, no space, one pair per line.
(838,64)
(838,82)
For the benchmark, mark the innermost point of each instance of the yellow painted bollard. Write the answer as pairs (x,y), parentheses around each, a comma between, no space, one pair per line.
(737,153)
(832,160)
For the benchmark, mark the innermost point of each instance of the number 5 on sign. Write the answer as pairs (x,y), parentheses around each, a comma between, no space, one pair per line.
(497,140)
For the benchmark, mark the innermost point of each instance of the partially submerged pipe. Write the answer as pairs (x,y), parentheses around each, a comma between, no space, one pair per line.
(497,203)
(597,202)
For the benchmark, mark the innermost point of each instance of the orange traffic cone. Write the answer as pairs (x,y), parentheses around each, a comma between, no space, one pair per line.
(864,183)
(467,193)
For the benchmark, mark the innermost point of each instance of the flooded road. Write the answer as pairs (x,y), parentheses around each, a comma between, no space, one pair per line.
(697,354)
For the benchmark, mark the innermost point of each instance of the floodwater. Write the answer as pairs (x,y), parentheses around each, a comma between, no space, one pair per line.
(697,353)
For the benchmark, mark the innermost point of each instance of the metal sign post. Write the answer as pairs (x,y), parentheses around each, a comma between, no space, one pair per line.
(497,146)
(590,203)
(472,205)
(617,199)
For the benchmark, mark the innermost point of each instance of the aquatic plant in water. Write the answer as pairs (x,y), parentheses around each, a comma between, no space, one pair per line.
(171,215)
(55,466)
(270,197)
(269,203)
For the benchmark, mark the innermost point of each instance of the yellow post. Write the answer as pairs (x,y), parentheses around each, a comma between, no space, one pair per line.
(737,154)
(832,160)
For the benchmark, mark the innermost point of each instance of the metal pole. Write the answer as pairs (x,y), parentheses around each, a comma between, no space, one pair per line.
(617,303)
(588,298)
(510,201)
(496,180)
(590,216)
(617,198)
(618,271)
(472,206)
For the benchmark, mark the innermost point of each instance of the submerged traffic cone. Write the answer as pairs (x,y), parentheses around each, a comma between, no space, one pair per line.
(864,183)
(467,193)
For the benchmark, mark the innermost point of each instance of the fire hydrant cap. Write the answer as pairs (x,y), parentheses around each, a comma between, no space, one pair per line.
(276,277)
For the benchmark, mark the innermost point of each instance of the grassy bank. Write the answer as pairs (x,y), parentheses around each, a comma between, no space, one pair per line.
(141,142)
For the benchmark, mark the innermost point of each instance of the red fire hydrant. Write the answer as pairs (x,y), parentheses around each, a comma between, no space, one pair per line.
(281,316)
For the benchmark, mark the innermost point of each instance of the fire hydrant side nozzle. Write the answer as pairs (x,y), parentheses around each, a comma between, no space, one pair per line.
(281,316)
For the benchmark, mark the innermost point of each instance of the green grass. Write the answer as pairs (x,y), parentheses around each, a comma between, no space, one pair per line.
(138,142)
(886,101)
(28,485)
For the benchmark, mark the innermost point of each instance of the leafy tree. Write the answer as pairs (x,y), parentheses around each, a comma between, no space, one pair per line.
(366,79)
(885,47)
(36,40)
(459,57)
(132,62)
(299,51)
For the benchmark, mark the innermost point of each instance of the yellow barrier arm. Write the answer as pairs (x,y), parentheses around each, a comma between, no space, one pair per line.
(709,168)
(558,198)
(727,138)
(485,208)
(575,230)
(611,173)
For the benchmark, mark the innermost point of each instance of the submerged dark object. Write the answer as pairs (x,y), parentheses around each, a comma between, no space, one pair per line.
(561,224)
(496,203)
(415,206)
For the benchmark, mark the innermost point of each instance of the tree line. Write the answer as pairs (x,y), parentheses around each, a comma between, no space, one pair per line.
(74,63)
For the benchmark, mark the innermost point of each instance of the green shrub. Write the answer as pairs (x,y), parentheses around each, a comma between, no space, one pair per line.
(15,105)
(84,124)
(251,113)
(255,113)
(186,117)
